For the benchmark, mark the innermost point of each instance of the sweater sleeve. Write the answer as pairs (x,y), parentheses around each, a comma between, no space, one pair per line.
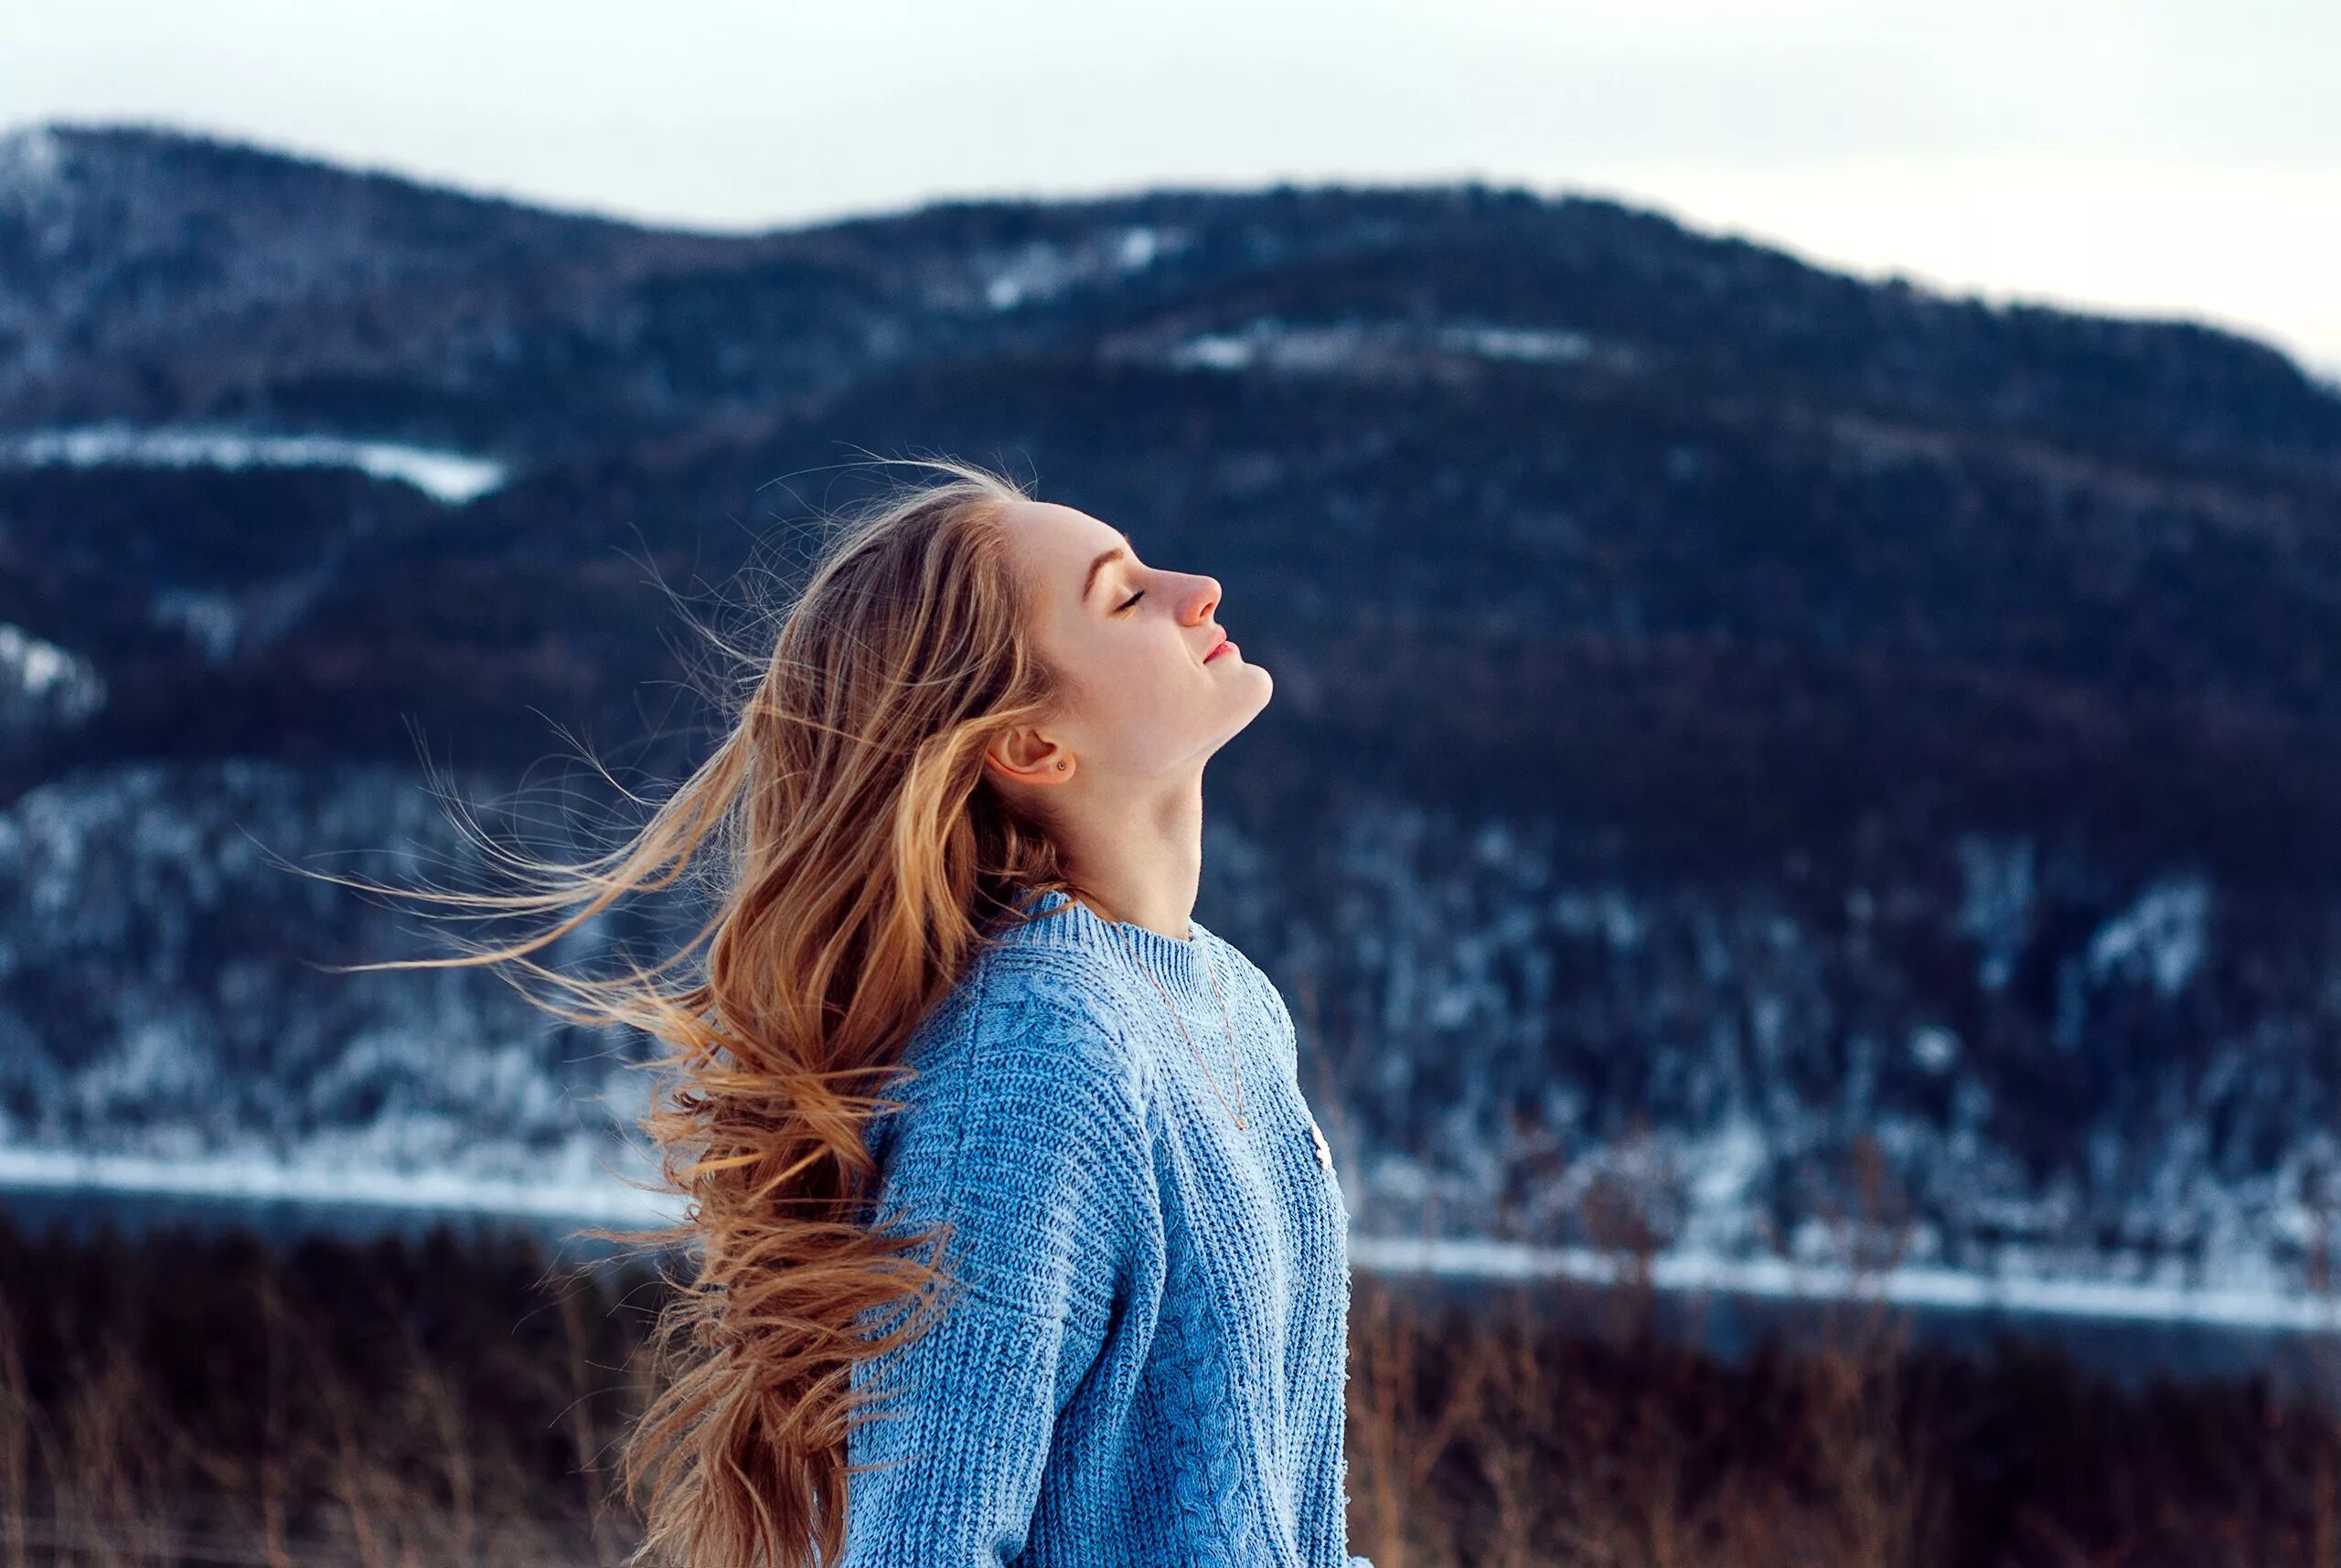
(1028,1137)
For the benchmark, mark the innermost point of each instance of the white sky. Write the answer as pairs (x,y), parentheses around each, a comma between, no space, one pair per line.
(2136,156)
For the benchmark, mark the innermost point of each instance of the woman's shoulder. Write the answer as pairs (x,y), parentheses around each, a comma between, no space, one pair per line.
(1235,963)
(1037,1014)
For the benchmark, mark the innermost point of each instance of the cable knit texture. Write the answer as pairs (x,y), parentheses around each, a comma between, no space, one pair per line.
(1144,1366)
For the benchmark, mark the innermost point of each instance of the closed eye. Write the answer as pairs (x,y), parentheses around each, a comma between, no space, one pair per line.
(1130,601)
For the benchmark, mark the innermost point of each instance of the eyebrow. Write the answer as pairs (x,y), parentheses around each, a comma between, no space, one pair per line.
(1089,582)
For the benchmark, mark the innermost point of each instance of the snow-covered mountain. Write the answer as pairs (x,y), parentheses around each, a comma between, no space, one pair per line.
(1764,762)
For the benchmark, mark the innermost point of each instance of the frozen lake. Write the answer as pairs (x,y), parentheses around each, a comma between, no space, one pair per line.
(2127,1333)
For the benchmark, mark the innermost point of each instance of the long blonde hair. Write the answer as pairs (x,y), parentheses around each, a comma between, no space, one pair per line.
(858,854)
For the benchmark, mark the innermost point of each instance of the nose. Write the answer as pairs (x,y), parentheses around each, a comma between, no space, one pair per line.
(1203,599)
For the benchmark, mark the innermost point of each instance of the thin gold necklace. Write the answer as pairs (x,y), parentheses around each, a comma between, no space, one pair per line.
(1232,1062)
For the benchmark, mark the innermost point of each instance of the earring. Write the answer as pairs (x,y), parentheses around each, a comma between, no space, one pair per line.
(1060,767)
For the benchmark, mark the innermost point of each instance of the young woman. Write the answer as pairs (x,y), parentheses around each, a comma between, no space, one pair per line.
(1016,1241)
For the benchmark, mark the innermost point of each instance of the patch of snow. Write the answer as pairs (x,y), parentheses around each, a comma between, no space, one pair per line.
(1996,908)
(1209,352)
(1540,345)
(1007,289)
(1724,1169)
(571,1193)
(1907,1286)
(39,680)
(453,477)
(2164,932)
(29,159)
(1934,1048)
(1729,1163)
(1138,247)
(1042,270)
(1268,344)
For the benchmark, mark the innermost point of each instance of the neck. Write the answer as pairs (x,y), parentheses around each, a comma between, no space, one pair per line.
(1142,861)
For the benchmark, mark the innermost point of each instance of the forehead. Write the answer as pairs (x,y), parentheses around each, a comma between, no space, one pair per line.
(1055,544)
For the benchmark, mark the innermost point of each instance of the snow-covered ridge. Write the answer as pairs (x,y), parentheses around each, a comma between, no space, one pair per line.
(453,477)
(1269,343)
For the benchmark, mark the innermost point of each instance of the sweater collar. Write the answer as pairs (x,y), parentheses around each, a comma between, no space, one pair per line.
(1184,969)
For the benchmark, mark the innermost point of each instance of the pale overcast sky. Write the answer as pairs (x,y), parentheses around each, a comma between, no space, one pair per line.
(2137,156)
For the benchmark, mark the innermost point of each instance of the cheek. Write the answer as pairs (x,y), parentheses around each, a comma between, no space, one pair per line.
(1126,677)
(1148,713)
(1141,706)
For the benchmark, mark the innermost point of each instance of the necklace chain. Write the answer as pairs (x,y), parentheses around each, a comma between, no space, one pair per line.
(1212,970)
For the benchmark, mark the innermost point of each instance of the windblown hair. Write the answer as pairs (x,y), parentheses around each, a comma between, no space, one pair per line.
(856,853)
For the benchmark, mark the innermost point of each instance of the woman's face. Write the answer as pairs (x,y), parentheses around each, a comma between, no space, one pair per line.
(1142,700)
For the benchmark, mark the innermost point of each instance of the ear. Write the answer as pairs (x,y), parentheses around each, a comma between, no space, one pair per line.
(1025,755)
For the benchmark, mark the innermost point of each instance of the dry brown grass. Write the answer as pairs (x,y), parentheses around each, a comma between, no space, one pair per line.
(1492,1436)
(1578,1426)
(120,1460)
(206,1401)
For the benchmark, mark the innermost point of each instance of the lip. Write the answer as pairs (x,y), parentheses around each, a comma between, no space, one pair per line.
(1222,645)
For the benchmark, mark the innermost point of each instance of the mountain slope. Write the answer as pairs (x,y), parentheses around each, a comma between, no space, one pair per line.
(1750,745)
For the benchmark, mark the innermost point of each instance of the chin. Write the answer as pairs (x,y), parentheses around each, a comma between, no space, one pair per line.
(1268,687)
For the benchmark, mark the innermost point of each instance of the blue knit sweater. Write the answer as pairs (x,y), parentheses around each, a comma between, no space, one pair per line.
(1145,1363)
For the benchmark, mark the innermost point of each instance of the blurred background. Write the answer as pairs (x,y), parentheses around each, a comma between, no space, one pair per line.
(1799,546)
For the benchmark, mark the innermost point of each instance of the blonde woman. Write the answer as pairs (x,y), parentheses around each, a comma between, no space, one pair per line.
(953,998)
